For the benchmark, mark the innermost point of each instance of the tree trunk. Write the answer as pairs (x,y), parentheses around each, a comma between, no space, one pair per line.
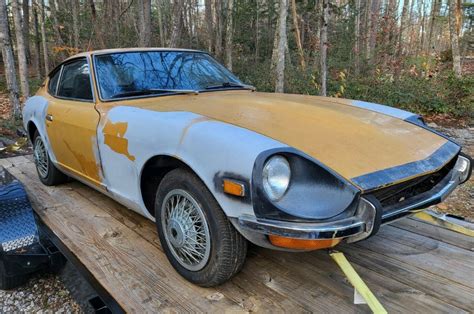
(8,61)
(160,24)
(177,23)
(357,37)
(389,31)
(276,40)
(403,24)
(75,22)
(43,38)
(196,19)
(20,45)
(56,26)
(434,15)
(324,45)
(218,16)
(26,29)
(209,18)
(117,22)
(454,19)
(257,30)
(144,21)
(411,25)
(459,15)
(372,36)
(229,34)
(96,26)
(282,44)
(297,35)
(422,13)
(37,55)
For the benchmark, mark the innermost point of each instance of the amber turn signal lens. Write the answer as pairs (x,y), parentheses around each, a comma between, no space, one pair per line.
(300,244)
(233,187)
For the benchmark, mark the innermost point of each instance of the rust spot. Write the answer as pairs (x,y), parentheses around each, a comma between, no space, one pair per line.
(114,138)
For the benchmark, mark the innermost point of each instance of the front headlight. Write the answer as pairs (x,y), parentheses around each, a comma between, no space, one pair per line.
(463,166)
(289,185)
(276,177)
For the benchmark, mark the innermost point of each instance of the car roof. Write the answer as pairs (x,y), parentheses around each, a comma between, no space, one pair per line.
(122,50)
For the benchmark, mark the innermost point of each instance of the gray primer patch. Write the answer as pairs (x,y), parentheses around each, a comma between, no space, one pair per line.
(389,111)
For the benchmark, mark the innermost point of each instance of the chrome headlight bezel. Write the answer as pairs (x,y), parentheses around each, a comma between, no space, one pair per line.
(314,193)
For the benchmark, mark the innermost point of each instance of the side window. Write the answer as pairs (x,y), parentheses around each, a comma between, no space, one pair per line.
(75,81)
(53,81)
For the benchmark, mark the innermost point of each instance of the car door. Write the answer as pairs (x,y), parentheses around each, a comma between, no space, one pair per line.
(71,122)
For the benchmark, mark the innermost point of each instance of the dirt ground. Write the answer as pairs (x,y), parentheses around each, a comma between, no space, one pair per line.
(461,202)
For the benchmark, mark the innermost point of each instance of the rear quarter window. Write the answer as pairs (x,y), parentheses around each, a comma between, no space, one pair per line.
(53,81)
(75,81)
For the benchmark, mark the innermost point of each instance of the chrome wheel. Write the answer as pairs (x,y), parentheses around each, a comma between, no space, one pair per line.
(41,157)
(185,229)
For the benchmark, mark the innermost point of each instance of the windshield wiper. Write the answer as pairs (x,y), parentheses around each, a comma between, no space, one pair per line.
(154,91)
(231,85)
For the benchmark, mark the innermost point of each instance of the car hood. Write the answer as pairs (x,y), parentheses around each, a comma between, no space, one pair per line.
(350,140)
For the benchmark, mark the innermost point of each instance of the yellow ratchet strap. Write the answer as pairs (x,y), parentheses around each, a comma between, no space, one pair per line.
(441,221)
(357,282)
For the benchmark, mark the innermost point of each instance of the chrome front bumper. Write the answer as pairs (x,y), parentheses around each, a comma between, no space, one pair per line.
(365,222)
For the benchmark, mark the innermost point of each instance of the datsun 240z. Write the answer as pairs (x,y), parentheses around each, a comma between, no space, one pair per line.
(176,137)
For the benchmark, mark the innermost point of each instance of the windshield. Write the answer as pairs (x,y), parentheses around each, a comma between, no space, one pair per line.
(158,72)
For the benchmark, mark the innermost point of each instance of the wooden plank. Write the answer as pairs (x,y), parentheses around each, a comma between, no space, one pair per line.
(359,285)
(436,286)
(394,296)
(121,248)
(82,196)
(440,234)
(261,298)
(137,275)
(397,294)
(440,258)
(309,288)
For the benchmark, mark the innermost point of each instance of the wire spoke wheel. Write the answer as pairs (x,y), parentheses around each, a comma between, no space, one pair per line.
(186,230)
(41,157)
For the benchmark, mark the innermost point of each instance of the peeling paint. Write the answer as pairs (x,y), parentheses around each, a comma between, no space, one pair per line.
(323,128)
(114,138)
(90,168)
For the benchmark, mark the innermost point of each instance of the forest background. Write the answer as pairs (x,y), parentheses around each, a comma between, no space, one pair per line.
(412,54)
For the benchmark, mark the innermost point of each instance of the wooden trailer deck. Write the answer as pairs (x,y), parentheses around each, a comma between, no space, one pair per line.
(410,266)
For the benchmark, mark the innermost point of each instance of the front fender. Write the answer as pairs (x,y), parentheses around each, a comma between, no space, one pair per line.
(129,137)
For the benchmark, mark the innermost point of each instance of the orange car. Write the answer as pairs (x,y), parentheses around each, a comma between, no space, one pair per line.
(176,137)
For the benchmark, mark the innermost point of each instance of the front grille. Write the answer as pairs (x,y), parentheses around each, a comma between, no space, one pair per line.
(403,191)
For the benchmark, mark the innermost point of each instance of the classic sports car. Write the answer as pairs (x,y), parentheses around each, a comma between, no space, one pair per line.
(176,137)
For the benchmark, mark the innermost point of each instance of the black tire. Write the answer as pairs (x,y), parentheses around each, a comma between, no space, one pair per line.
(228,248)
(7,283)
(54,176)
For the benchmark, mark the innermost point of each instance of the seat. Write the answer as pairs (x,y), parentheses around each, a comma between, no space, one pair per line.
(82,87)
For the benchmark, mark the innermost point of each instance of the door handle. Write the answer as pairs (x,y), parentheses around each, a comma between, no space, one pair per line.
(49,117)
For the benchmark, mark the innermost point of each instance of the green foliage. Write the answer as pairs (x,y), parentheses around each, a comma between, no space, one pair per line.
(418,92)
(34,85)
(426,96)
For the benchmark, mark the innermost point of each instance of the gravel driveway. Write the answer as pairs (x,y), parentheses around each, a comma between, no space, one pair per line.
(44,293)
